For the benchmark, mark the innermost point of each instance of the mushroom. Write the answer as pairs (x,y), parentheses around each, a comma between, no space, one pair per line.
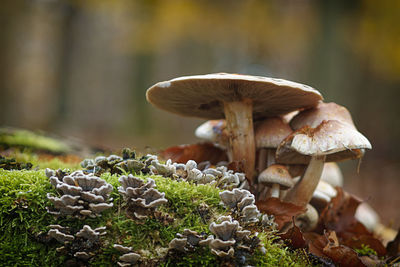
(268,135)
(322,195)
(332,174)
(238,99)
(323,111)
(214,131)
(308,220)
(316,145)
(277,178)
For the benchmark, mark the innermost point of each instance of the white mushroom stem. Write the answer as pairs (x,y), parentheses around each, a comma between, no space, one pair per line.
(275,190)
(239,123)
(302,192)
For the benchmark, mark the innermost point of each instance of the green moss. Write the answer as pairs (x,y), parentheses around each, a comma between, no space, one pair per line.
(365,250)
(35,141)
(24,223)
(277,254)
(37,163)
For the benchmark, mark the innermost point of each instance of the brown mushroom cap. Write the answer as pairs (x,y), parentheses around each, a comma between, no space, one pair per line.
(276,174)
(336,140)
(202,96)
(323,111)
(270,132)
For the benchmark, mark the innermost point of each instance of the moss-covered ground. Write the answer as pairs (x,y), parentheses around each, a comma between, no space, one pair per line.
(24,222)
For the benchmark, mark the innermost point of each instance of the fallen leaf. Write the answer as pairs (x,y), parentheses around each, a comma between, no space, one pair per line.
(316,243)
(340,254)
(338,216)
(294,237)
(282,211)
(197,152)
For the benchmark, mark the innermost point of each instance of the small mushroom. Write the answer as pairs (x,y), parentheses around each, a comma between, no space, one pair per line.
(308,220)
(367,216)
(277,178)
(322,195)
(332,174)
(238,99)
(214,131)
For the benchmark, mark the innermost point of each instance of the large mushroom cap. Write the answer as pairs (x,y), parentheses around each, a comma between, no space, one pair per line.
(202,96)
(338,141)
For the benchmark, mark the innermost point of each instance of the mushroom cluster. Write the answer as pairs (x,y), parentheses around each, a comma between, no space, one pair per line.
(141,198)
(82,195)
(241,202)
(82,244)
(271,121)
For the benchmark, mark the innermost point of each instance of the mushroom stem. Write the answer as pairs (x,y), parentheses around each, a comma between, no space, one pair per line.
(266,157)
(302,192)
(262,159)
(275,190)
(239,123)
(271,157)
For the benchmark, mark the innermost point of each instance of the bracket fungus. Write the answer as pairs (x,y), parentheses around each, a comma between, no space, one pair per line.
(128,258)
(238,99)
(242,202)
(331,140)
(230,238)
(83,195)
(142,199)
(187,241)
(83,245)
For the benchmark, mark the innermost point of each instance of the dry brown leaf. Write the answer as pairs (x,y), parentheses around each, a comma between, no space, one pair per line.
(197,152)
(282,211)
(294,237)
(340,254)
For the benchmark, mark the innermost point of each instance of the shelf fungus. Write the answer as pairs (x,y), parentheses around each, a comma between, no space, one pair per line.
(115,163)
(82,195)
(242,203)
(188,241)
(141,198)
(128,258)
(230,240)
(82,245)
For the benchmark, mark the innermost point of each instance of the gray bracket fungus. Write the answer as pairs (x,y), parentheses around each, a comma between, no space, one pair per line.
(83,195)
(188,241)
(141,197)
(241,202)
(82,245)
(128,258)
(230,236)
(220,176)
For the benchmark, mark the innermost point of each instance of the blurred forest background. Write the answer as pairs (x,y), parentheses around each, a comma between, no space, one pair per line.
(81,68)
